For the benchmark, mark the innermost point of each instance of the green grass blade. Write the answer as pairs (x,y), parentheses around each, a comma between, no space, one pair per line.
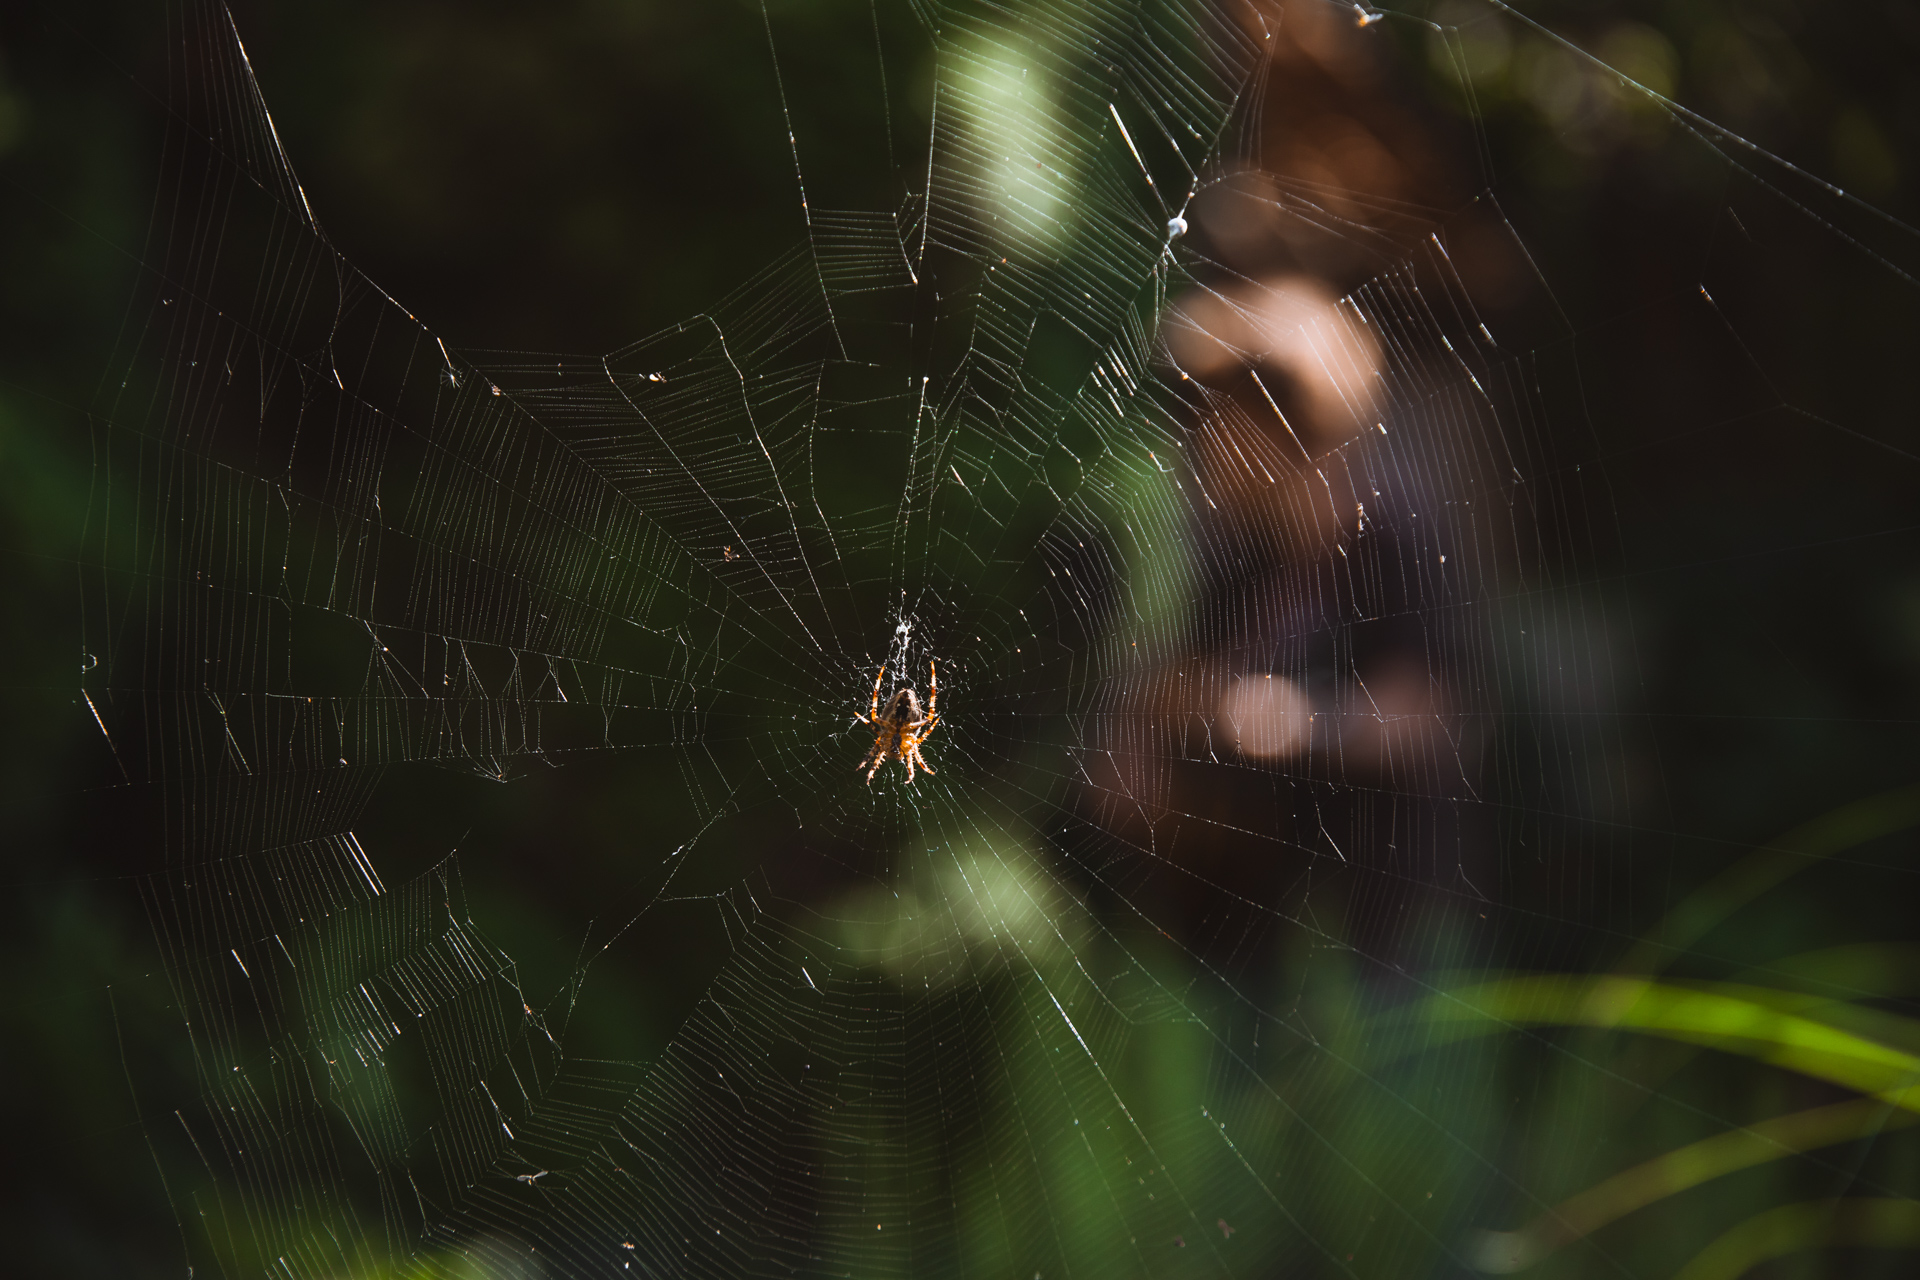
(1503,1252)
(1856,1223)
(1832,833)
(1711,1018)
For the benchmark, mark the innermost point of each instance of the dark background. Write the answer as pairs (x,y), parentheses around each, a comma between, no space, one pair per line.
(569,177)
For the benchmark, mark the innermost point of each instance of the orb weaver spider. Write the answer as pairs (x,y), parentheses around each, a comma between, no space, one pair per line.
(901,726)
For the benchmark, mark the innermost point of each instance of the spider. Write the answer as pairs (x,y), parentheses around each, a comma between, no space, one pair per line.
(902,727)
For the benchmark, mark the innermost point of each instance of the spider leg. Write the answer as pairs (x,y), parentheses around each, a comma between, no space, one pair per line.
(910,747)
(911,741)
(873,717)
(933,691)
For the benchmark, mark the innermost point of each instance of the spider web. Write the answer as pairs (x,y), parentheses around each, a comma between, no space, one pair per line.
(1283,656)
